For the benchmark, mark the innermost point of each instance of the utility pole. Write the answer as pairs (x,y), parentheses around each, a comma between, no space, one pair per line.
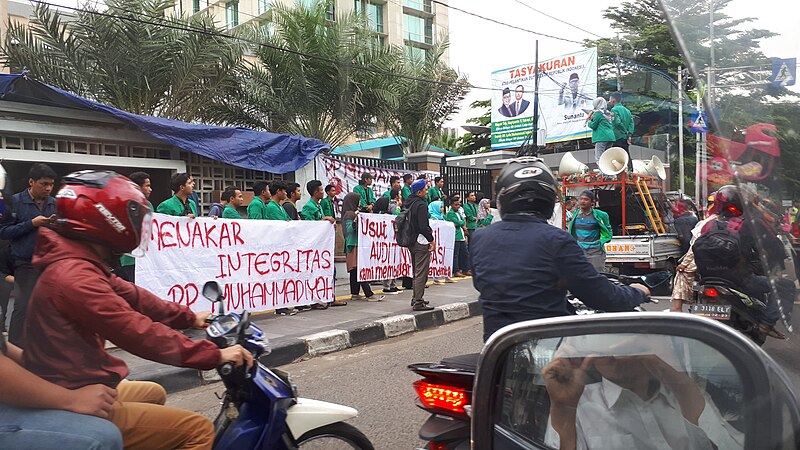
(536,100)
(680,130)
(698,159)
(619,71)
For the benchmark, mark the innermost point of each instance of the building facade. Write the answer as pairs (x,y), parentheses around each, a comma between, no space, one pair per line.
(414,25)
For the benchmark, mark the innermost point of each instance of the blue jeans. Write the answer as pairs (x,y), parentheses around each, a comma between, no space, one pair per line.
(599,148)
(48,429)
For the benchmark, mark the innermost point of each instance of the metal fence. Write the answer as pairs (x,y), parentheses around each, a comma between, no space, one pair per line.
(462,180)
(378,163)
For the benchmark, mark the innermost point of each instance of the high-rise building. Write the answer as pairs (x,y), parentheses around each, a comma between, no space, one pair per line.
(413,24)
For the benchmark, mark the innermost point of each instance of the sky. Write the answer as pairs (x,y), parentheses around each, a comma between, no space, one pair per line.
(478,46)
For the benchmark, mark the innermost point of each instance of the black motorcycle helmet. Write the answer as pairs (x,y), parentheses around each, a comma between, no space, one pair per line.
(728,201)
(526,186)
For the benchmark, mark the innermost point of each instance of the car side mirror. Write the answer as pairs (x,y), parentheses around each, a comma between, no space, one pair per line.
(213,292)
(630,380)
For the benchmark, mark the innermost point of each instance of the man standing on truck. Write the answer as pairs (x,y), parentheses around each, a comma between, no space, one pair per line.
(591,228)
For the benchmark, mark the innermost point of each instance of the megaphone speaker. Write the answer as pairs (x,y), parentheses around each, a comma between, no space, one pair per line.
(570,165)
(655,168)
(639,167)
(613,161)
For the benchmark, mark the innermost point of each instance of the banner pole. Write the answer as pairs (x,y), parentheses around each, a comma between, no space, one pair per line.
(536,100)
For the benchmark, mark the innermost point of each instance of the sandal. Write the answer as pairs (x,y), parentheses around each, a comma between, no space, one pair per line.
(770,331)
(339,303)
(375,299)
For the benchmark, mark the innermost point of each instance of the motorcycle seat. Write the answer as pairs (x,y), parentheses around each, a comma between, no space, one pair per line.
(468,362)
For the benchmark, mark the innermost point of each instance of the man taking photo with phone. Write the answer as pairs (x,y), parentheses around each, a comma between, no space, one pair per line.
(29,210)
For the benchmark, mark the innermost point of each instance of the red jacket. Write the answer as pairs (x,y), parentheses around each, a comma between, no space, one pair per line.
(77,304)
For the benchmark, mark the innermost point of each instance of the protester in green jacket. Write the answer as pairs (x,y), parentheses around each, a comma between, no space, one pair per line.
(435,191)
(592,229)
(257,209)
(365,192)
(406,190)
(394,183)
(234,197)
(460,253)
(471,212)
(128,263)
(600,123)
(328,204)
(182,185)
(274,210)
(622,121)
(312,210)
(484,215)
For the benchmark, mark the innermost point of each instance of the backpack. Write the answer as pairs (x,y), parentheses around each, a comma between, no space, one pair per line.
(403,234)
(718,252)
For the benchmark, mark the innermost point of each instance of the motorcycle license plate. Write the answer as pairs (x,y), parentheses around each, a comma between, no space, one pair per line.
(719,312)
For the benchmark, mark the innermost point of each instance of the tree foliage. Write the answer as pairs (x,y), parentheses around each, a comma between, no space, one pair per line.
(314,77)
(428,93)
(171,68)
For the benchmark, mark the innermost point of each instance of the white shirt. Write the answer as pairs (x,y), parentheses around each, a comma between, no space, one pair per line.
(556,219)
(612,417)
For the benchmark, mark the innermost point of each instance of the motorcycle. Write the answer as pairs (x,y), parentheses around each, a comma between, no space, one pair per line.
(260,408)
(445,389)
(719,299)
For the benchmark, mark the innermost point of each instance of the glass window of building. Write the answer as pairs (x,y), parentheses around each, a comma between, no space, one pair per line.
(232,14)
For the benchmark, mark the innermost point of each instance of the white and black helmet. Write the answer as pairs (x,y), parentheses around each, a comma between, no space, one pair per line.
(526,186)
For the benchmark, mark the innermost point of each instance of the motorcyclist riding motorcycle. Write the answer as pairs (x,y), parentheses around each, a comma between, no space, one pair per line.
(747,235)
(523,267)
(78,303)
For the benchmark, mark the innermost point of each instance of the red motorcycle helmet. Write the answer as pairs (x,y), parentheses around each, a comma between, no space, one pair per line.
(104,207)
(728,201)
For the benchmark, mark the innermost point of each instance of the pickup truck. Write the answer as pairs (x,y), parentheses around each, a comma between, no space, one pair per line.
(636,254)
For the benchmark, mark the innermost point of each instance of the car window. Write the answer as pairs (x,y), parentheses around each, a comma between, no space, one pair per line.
(626,391)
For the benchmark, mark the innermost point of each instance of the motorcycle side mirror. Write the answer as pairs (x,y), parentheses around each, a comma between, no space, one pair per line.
(549,381)
(213,292)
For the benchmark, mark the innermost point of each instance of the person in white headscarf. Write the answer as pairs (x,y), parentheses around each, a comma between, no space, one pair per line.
(602,130)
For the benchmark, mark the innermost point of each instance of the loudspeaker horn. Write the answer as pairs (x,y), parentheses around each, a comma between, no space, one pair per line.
(613,161)
(655,168)
(570,165)
(639,167)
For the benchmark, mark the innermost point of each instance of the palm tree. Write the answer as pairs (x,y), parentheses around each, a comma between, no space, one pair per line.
(134,56)
(430,92)
(314,77)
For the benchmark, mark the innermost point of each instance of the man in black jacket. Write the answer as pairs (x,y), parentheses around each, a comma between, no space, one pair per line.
(421,251)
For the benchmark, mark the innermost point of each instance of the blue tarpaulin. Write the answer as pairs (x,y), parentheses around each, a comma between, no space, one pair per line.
(241,147)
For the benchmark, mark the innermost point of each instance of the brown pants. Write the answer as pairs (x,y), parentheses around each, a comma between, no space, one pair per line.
(147,424)
(421,264)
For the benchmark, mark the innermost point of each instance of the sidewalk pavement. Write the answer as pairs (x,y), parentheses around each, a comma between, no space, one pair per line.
(317,332)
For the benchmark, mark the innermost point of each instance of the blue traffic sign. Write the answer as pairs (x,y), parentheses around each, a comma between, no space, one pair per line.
(784,72)
(699,122)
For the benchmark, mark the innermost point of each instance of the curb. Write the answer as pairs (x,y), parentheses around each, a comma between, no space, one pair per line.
(288,350)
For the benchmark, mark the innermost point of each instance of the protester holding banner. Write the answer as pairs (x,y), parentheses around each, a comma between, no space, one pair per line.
(407,180)
(257,209)
(460,256)
(435,191)
(235,199)
(327,203)
(436,211)
(602,131)
(365,192)
(350,234)
(421,250)
(293,194)
(274,210)
(182,184)
(312,210)
(127,262)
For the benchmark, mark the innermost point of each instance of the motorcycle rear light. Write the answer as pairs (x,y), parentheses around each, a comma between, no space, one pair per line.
(711,292)
(441,396)
(438,446)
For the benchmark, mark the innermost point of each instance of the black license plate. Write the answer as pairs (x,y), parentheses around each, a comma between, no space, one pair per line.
(719,312)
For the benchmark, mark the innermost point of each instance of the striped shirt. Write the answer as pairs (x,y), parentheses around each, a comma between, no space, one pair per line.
(587,230)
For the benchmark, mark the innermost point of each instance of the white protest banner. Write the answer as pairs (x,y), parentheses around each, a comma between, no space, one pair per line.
(380,258)
(567,87)
(344,176)
(260,264)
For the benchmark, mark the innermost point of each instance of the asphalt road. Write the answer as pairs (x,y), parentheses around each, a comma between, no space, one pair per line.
(372,378)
